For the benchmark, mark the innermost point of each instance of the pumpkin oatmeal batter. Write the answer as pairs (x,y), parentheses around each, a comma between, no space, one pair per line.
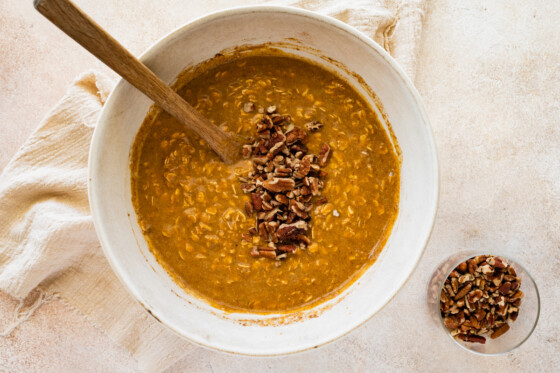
(192,209)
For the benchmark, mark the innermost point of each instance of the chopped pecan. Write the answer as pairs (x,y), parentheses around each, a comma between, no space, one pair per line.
(282,199)
(291,231)
(298,209)
(278,184)
(500,331)
(276,148)
(451,322)
(268,253)
(314,186)
(480,296)
(268,215)
(282,172)
(324,155)
(313,125)
(271,227)
(474,338)
(248,188)
(302,168)
(263,134)
(266,197)
(463,292)
(249,208)
(283,180)
(297,134)
(260,160)
(266,206)
(247,151)
(496,262)
(257,201)
(287,248)
(248,107)
(299,148)
(303,238)
(263,232)
(505,288)
(321,201)
(278,119)
(290,218)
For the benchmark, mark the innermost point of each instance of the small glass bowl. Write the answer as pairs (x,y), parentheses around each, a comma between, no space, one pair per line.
(520,330)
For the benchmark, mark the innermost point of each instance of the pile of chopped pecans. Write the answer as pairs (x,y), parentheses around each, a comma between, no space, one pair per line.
(282,184)
(480,296)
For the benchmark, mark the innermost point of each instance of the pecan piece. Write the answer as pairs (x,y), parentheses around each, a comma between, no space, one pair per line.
(314,186)
(248,107)
(282,199)
(282,183)
(302,168)
(475,339)
(291,231)
(282,171)
(260,160)
(324,155)
(277,118)
(299,148)
(276,148)
(313,126)
(505,288)
(500,331)
(304,239)
(257,201)
(321,201)
(463,292)
(268,215)
(248,188)
(297,134)
(298,209)
(287,248)
(267,253)
(278,184)
(247,151)
(263,232)
(496,262)
(451,322)
(490,303)
(249,208)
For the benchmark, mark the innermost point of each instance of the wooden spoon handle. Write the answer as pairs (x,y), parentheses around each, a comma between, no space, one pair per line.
(80,27)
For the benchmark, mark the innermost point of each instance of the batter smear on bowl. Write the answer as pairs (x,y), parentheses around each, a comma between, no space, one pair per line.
(309,209)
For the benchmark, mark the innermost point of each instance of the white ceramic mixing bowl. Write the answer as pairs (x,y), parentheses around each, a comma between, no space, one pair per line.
(115,219)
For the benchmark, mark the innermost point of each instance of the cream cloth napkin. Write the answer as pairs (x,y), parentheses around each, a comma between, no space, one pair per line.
(48,245)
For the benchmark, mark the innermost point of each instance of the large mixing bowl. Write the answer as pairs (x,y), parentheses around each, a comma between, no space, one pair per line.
(337,47)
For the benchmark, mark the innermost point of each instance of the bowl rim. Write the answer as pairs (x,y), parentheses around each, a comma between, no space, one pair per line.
(129,284)
(469,254)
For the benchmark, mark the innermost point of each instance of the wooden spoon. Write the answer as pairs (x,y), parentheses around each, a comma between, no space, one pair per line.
(80,27)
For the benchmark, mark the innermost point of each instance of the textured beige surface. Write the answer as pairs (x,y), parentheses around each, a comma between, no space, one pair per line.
(488,74)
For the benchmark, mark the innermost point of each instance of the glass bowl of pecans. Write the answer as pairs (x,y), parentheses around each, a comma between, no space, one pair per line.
(488,304)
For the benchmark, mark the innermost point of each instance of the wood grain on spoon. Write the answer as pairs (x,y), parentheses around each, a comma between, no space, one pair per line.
(80,27)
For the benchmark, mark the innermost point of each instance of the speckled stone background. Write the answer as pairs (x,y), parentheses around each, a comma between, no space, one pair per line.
(489,74)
